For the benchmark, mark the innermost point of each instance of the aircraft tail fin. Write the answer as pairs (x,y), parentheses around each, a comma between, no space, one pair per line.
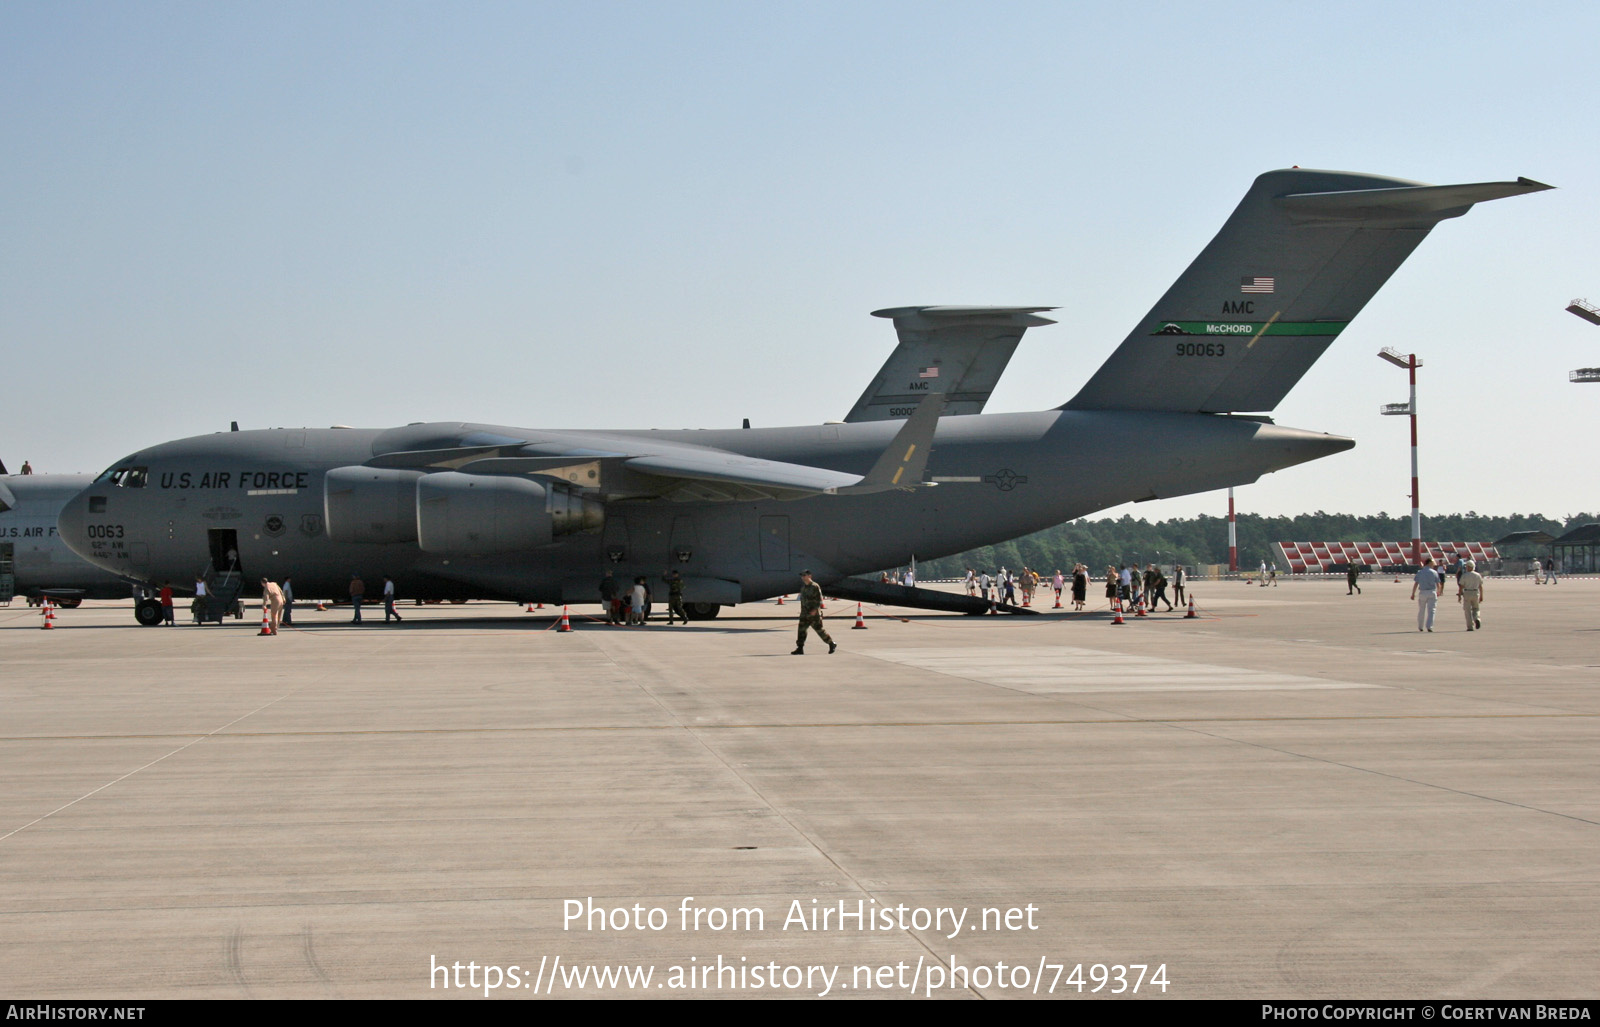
(958,351)
(1297,260)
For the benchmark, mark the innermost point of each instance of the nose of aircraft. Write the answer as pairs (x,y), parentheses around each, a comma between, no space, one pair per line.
(71,522)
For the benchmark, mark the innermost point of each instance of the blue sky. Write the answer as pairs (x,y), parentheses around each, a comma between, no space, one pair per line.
(680,214)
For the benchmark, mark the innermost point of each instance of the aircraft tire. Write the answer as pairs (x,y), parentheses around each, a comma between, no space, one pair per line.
(148,613)
(68,604)
(702,611)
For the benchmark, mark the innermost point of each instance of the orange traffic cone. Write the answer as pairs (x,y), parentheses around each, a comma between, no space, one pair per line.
(530,608)
(266,622)
(1191,615)
(1138,607)
(321,607)
(538,606)
(1058,602)
(1116,612)
(780,600)
(49,610)
(860,624)
(566,625)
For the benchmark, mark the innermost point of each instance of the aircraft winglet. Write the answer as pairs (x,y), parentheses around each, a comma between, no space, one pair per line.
(902,464)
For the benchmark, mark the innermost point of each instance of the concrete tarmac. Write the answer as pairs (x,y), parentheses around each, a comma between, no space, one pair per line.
(1295,795)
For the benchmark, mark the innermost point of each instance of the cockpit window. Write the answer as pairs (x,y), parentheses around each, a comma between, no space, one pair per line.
(125,477)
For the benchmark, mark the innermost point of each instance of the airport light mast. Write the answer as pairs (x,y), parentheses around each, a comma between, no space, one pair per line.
(1233,539)
(1410,362)
(1589,312)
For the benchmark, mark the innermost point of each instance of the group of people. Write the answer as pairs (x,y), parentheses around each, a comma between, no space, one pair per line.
(1132,587)
(1004,586)
(1124,584)
(1544,571)
(1428,583)
(630,604)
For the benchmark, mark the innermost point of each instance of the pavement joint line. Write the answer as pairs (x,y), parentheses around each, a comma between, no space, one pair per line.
(1181,725)
(1115,719)
(755,790)
(151,763)
(1394,777)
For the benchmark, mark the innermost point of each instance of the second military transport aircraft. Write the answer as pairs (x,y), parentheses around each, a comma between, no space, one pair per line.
(459,510)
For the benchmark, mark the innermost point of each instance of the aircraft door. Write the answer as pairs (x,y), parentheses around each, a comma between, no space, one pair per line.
(224,544)
(775,543)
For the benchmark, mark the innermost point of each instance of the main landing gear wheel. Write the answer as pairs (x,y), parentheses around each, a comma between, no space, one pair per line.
(702,611)
(148,612)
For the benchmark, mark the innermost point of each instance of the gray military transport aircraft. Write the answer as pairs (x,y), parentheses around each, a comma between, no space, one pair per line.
(34,562)
(457,510)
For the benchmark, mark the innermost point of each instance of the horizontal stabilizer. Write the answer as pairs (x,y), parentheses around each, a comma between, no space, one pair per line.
(960,352)
(1417,206)
(1297,260)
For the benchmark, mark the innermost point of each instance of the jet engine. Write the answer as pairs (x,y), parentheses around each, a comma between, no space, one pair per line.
(370,504)
(479,514)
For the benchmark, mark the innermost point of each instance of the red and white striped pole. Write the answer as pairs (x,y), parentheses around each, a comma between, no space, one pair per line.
(1410,363)
(1233,538)
(1416,494)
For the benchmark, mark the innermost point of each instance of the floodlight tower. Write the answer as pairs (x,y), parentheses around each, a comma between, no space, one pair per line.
(1587,311)
(1410,363)
(1233,539)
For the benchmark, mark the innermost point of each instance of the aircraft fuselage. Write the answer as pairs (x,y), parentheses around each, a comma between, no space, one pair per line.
(264,495)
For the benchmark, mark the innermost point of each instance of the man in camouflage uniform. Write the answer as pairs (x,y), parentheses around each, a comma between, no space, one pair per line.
(675,597)
(811,614)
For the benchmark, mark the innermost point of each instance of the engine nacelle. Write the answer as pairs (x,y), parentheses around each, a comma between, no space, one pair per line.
(476,514)
(370,504)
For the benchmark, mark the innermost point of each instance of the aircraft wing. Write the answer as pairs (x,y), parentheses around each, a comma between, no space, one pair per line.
(723,475)
(957,351)
(686,472)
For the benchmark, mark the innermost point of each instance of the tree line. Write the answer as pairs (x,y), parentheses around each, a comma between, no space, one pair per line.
(1195,541)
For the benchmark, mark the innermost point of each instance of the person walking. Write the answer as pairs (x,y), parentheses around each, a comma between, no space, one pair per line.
(1469,589)
(1157,589)
(675,598)
(1425,590)
(358,589)
(388,600)
(167,617)
(811,615)
(1180,579)
(288,602)
(1352,572)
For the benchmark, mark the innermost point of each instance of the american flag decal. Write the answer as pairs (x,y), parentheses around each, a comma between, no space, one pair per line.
(1257,284)
(927,372)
